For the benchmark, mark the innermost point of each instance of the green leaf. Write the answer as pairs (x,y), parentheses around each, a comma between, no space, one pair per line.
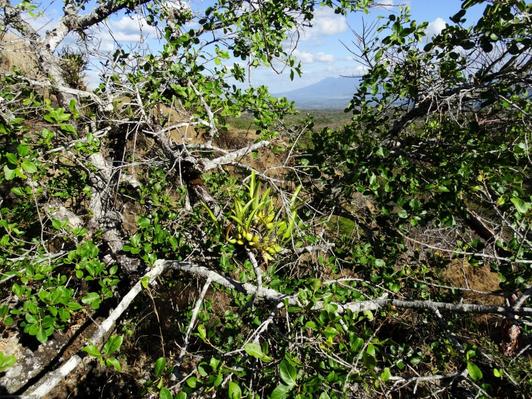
(92,350)
(28,166)
(165,393)
(218,380)
(202,372)
(214,363)
(458,16)
(254,349)
(202,332)
(385,375)
(192,382)
(19,173)
(113,344)
(6,361)
(92,299)
(12,158)
(470,354)
(72,108)
(160,366)
(30,318)
(281,392)
(144,222)
(42,335)
(9,174)
(474,372)
(23,150)
(59,224)
(234,391)
(288,373)
(403,214)
(211,214)
(113,361)
(145,282)
(520,205)
(370,350)
(67,128)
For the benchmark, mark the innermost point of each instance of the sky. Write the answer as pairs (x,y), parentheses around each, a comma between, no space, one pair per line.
(321,48)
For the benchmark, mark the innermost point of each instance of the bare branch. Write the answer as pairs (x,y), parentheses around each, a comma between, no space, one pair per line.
(256,268)
(193,319)
(235,155)
(71,91)
(73,22)
(374,304)
(52,379)
(47,383)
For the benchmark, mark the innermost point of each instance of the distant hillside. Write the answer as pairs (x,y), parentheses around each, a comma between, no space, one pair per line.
(15,52)
(329,93)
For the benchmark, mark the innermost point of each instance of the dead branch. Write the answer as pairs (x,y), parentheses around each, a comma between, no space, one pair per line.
(269,294)
(71,21)
(235,155)
(213,130)
(256,268)
(47,383)
(48,63)
(52,379)
(193,319)
(103,106)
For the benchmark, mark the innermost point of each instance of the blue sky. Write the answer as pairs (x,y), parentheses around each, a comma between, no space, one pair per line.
(320,48)
(323,54)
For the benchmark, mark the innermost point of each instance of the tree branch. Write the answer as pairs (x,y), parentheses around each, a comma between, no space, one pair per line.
(73,22)
(374,304)
(47,383)
(52,379)
(193,319)
(233,156)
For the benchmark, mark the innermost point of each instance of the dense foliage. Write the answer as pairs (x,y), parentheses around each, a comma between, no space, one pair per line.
(390,257)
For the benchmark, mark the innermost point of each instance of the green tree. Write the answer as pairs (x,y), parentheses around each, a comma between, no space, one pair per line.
(433,171)
(103,193)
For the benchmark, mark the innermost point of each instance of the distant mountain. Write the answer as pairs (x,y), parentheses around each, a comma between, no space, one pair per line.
(329,93)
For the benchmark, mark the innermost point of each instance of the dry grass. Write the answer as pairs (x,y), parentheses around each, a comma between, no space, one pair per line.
(16,53)
(462,274)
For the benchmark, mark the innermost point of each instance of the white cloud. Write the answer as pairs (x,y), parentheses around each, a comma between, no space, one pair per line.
(321,57)
(92,78)
(127,29)
(435,27)
(385,4)
(310,58)
(352,70)
(131,29)
(391,4)
(325,23)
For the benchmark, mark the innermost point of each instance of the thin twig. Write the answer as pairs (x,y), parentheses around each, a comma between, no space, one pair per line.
(192,323)
(455,252)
